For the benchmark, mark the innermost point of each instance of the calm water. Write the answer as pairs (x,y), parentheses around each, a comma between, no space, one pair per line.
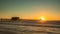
(29,27)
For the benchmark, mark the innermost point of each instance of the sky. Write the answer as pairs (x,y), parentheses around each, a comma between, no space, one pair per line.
(30,9)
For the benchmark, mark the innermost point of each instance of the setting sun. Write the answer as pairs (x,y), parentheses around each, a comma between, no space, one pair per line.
(42,18)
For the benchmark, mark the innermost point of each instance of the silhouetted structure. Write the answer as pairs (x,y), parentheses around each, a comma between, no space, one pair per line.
(15,18)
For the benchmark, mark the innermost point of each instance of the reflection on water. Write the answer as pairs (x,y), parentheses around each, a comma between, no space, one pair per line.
(29,28)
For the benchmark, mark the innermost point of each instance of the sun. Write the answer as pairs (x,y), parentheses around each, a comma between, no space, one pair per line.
(42,18)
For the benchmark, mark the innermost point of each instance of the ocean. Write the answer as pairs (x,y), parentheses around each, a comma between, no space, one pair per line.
(29,27)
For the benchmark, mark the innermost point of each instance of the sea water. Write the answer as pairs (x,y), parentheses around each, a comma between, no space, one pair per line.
(29,28)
